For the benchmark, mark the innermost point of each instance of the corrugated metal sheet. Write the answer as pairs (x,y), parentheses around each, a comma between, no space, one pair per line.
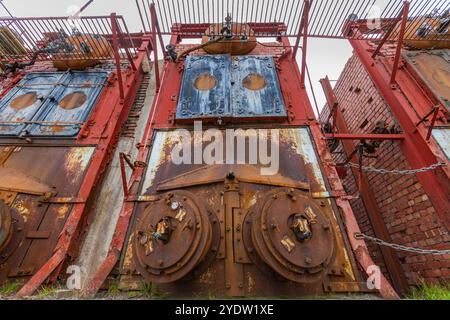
(13,111)
(256,90)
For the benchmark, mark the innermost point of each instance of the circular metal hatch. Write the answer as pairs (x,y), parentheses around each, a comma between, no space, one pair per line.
(205,82)
(73,100)
(254,82)
(24,101)
(172,238)
(6,225)
(292,235)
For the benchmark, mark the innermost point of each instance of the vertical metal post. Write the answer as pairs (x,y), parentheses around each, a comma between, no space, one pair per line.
(390,258)
(123,175)
(401,35)
(433,122)
(305,43)
(116,55)
(155,46)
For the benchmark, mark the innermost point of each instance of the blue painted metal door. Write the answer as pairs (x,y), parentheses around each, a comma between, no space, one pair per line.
(65,112)
(205,89)
(256,90)
(21,103)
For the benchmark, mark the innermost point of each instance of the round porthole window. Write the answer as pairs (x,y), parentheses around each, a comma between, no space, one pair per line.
(73,100)
(23,101)
(254,81)
(205,82)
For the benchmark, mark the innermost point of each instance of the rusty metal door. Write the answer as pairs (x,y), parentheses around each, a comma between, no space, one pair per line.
(24,100)
(205,89)
(256,90)
(65,112)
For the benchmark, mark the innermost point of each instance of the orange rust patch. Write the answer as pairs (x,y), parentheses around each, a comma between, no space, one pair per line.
(73,100)
(254,82)
(24,101)
(205,82)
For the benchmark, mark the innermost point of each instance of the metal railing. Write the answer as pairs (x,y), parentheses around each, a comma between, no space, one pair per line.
(327,18)
(65,38)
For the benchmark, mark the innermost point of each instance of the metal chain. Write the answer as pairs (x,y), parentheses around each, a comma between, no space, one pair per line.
(395,171)
(361,236)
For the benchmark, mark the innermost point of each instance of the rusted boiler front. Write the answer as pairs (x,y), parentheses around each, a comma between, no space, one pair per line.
(205,213)
(57,133)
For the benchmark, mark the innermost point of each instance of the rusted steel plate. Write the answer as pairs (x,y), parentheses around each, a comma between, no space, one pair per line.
(293,235)
(433,67)
(6,225)
(234,194)
(34,173)
(172,237)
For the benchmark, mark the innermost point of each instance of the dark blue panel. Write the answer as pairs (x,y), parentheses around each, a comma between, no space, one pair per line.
(72,103)
(264,97)
(199,96)
(13,118)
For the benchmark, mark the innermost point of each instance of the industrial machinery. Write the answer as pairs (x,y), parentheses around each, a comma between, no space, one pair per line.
(223,182)
(66,94)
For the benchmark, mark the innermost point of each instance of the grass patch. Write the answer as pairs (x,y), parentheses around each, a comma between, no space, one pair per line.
(46,292)
(430,292)
(9,288)
(113,289)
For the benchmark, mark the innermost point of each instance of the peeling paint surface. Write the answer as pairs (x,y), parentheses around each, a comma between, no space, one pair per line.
(76,161)
(442,136)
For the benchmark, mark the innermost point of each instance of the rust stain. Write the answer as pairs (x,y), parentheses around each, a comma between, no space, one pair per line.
(62,211)
(76,161)
(250,283)
(128,260)
(24,211)
(207,277)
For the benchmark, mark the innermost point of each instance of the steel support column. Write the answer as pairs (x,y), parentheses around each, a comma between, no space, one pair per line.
(390,258)
(401,35)
(155,46)
(417,151)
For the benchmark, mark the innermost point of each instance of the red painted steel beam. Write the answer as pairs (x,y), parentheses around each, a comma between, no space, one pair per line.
(418,152)
(359,136)
(155,45)
(116,54)
(401,35)
(305,43)
(388,34)
(390,258)
(113,112)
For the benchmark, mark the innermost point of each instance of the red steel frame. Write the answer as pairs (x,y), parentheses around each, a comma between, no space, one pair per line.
(161,117)
(102,129)
(403,99)
(390,258)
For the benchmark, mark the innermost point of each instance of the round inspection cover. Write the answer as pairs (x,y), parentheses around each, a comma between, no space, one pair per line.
(172,237)
(291,256)
(6,226)
(24,101)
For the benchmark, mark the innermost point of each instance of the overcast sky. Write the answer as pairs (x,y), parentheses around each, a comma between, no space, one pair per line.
(325,57)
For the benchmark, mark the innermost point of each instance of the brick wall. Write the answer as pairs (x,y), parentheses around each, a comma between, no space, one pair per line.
(406,210)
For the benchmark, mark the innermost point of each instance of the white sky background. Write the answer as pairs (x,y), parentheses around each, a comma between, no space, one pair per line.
(325,56)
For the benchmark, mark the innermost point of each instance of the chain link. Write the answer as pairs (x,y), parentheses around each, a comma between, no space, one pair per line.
(395,171)
(361,236)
